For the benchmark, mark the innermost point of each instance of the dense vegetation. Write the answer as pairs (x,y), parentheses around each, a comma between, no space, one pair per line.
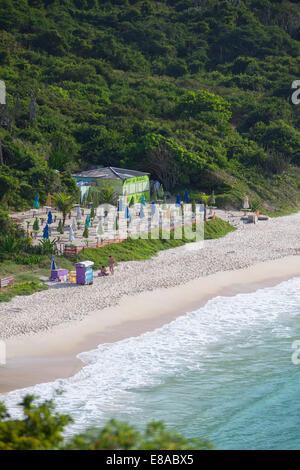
(197,92)
(42,428)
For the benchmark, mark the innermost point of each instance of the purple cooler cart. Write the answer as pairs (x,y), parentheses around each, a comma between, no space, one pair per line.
(84,272)
(58,274)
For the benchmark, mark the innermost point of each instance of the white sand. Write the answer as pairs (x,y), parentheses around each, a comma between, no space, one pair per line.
(52,354)
(45,331)
(64,303)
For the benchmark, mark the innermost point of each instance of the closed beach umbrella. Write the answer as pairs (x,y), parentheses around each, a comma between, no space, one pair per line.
(161,192)
(78,216)
(155,215)
(53,265)
(177,200)
(36,203)
(71,235)
(143,200)
(142,214)
(246,203)
(120,205)
(46,232)
(49,200)
(127,213)
(50,218)
(100,230)
(153,208)
(88,221)
(186,196)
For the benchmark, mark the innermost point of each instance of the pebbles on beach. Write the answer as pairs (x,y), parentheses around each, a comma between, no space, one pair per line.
(62,303)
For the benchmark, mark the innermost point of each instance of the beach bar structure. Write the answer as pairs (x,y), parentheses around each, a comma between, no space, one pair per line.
(84,272)
(132,183)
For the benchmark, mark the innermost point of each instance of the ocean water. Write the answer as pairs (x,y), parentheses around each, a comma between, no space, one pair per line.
(223,372)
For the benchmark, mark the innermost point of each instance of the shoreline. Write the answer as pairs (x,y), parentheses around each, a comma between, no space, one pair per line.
(50,355)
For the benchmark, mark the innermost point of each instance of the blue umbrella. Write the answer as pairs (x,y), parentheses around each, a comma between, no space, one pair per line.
(178,200)
(36,204)
(53,265)
(186,196)
(143,200)
(50,218)
(120,205)
(153,208)
(127,213)
(142,214)
(46,232)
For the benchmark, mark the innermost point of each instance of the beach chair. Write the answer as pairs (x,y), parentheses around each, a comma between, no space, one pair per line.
(72,277)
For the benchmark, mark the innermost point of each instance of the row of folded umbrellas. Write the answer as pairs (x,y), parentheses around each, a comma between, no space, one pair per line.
(88,219)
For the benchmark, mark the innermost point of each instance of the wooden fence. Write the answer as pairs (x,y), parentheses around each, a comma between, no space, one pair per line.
(71,250)
(7,281)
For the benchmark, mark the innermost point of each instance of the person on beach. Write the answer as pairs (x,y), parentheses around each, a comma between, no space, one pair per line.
(103,271)
(111,264)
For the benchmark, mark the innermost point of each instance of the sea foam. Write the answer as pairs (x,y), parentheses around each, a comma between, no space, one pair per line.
(113,374)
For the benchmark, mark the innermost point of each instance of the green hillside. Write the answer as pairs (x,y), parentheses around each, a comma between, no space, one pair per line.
(196,92)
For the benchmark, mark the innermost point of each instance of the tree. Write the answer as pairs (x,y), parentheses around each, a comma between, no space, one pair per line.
(58,159)
(64,204)
(205,106)
(33,109)
(121,436)
(212,199)
(1,155)
(89,195)
(42,428)
(107,195)
(85,232)
(194,206)
(154,196)
(162,163)
(60,228)
(36,225)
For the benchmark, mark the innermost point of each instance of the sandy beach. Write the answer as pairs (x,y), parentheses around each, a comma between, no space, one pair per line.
(45,332)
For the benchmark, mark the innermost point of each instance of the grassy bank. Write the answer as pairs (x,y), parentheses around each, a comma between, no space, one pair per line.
(22,288)
(132,250)
(282,212)
(29,280)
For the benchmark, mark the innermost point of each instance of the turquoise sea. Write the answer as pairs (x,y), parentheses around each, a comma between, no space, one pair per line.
(224,372)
